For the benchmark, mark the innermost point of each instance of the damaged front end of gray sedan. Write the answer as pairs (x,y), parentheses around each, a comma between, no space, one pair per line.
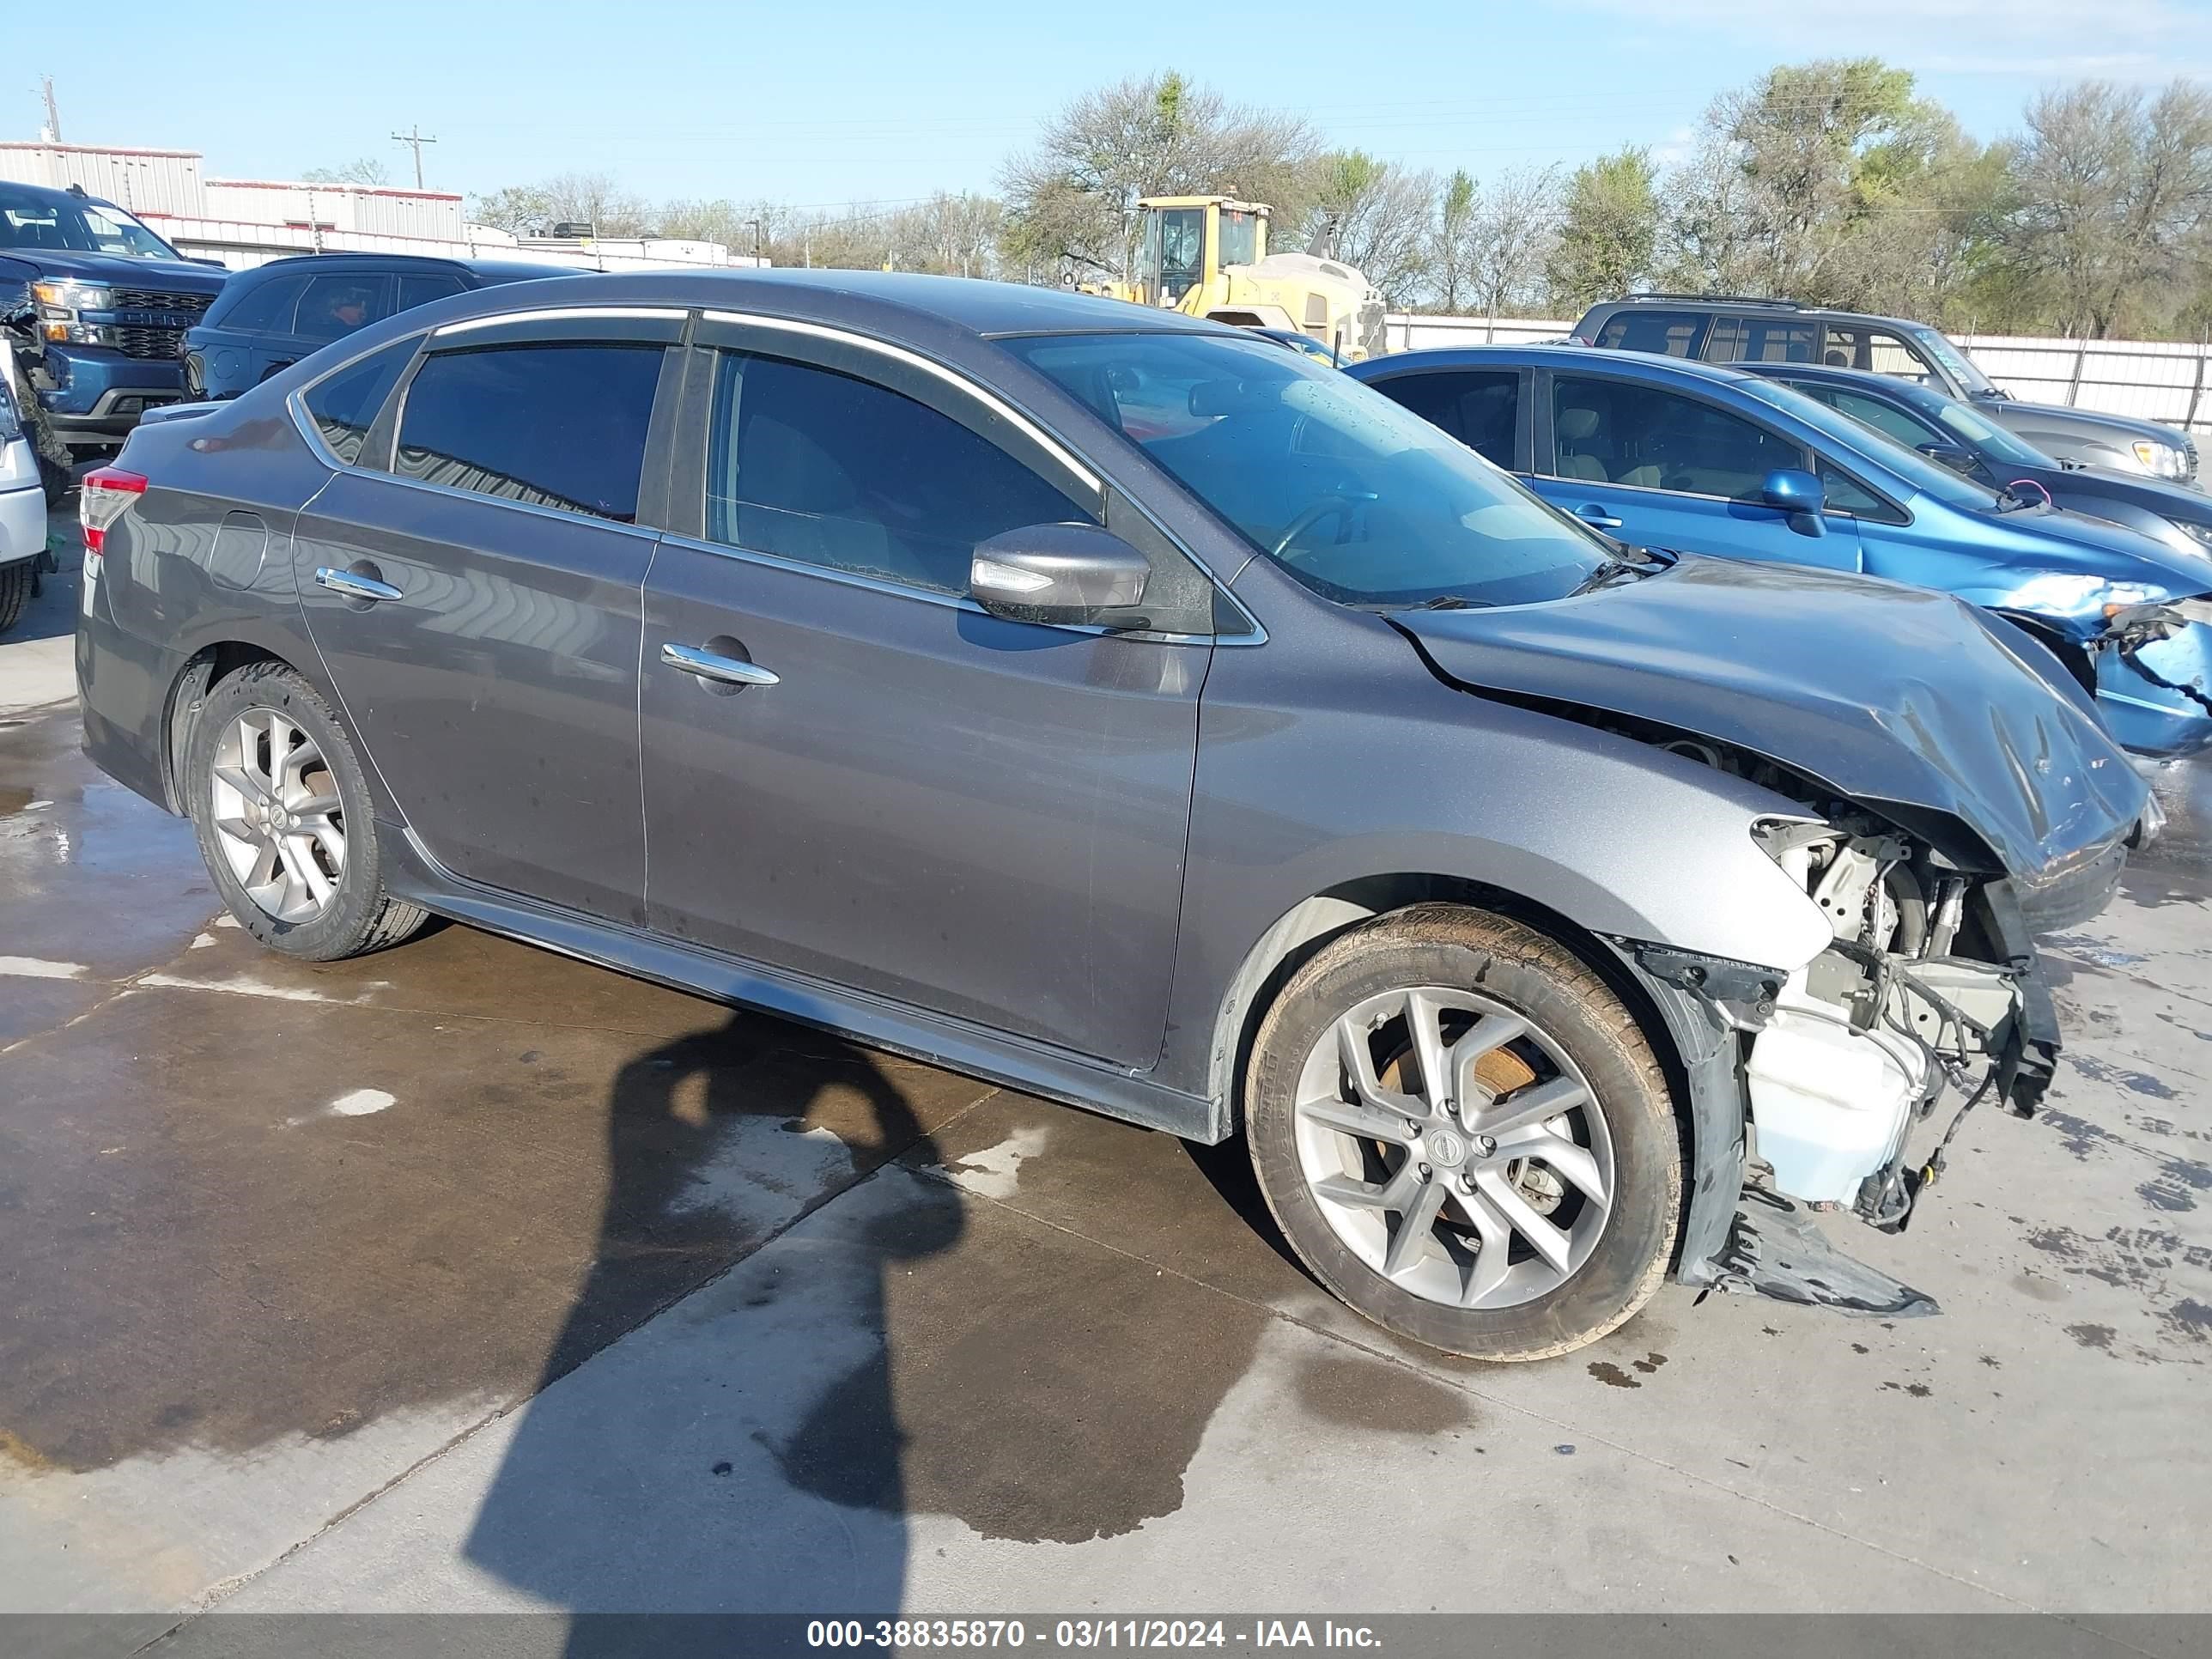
(1932,827)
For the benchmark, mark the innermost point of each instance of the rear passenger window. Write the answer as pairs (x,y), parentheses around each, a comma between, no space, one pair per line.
(1675,333)
(421,290)
(556,425)
(1612,431)
(267,308)
(829,470)
(345,406)
(1761,340)
(1478,408)
(333,307)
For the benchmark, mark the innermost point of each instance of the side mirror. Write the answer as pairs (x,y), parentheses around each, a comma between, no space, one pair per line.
(1069,573)
(1799,494)
(1951,455)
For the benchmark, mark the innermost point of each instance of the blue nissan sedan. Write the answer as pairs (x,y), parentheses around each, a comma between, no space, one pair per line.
(1664,452)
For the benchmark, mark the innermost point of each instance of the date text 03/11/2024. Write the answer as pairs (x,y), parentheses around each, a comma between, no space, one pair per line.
(895,1634)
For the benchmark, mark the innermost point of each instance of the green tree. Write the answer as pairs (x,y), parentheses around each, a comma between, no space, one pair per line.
(1452,246)
(1789,168)
(1072,202)
(1608,231)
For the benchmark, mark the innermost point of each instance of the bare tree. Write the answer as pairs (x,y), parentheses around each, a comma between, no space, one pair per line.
(1072,200)
(2114,194)
(362,170)
(951,235)
(1514,229)
(592,198)
(1374,215)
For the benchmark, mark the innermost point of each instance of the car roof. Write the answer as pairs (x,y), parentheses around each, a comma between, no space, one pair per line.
(1728,302)
(890,302)
(1650,364)
(1866,379)
(57,197)
(512,270)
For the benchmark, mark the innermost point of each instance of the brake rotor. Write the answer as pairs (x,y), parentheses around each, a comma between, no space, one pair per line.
(1501,1071)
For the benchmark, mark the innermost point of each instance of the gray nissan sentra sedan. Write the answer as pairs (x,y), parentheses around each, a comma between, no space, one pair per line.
(1137,713)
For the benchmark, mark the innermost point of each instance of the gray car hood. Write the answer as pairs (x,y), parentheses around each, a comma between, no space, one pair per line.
(1889,696)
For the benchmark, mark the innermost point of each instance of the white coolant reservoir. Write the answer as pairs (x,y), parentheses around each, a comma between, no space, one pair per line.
(1830,1103)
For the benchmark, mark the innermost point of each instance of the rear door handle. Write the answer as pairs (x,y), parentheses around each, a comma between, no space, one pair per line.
(1596,517)
(354,585)
(708,666)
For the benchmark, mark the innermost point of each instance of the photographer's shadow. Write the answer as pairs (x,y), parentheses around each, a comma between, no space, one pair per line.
(743,1453)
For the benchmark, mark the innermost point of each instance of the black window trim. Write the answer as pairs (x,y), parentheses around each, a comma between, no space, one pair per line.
(729,326)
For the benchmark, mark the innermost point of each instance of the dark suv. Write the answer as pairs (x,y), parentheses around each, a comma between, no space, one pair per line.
(271,317)
(95,306)
(1728,331)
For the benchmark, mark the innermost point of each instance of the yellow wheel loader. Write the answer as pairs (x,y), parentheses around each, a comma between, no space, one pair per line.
(1207,256)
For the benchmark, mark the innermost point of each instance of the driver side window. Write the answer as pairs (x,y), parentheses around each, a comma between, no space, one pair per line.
(826,468)
(1616,432)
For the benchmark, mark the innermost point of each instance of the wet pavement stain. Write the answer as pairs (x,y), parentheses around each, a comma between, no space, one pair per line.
(1373,1394)
(1918,1390)
(2079,1136)
(1650,1363)
(2189,1319)
(2101,1070)
(307,1279)
(1017,1383)
(2092,1336)
(1612,1376)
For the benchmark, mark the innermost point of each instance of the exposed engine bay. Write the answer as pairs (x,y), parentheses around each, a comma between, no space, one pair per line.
(1927,988)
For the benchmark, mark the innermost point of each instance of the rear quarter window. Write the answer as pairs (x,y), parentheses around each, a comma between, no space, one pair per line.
(262,308)
(344,405)
(1671,333)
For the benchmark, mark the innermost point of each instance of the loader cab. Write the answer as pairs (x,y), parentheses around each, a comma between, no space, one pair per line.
(1186,240)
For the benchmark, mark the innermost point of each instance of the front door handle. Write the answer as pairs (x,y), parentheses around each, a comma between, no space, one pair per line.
(354,585)
(709,665)
(1596,517)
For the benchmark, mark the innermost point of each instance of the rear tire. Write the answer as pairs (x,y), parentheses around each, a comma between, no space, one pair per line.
(56,480)
(286,822)
(15,580)
(1524,1205)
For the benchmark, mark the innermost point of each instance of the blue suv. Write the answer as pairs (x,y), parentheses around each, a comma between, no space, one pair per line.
(271,317)
(1665,453)
(95,306)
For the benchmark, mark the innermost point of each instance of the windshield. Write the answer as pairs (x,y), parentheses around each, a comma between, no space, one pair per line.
(1930,477)
(76,225)
(1962,368)
(1986,436)
(1361,501)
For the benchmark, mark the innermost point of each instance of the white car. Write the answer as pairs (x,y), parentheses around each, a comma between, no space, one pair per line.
(22,514)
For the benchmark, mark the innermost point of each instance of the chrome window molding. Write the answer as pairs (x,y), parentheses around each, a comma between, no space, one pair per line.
(997,404)
(564,313)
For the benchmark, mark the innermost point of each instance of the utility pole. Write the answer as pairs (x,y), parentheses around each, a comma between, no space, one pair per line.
(54,115)
(413,136)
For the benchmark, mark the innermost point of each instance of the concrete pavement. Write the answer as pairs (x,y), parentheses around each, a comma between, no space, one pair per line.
(465,1277)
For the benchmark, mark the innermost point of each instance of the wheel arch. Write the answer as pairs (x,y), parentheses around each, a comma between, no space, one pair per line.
(206,667)
(1709,1117)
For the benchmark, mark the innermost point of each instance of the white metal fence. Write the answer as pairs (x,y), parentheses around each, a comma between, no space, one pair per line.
(2152,379)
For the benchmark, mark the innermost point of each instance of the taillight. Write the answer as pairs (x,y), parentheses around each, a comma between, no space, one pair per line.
(104,496)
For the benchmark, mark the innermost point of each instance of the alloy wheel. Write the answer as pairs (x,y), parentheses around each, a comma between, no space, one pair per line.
(1453,1148)
(278,815)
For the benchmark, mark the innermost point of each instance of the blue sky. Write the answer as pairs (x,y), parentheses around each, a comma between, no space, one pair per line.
(826,101)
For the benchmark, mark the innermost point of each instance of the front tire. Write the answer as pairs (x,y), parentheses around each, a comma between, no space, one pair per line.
(285,820)
(15,582)
(1465,1136)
